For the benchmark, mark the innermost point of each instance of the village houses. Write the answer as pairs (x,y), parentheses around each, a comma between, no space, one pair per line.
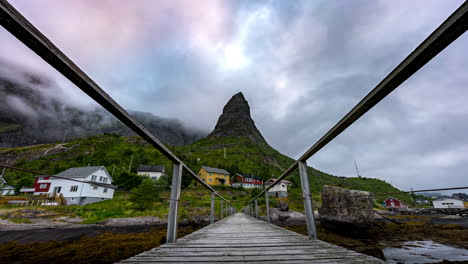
(447,202)
(153,171)
(394,203)
(247,181)
(214,176)
(280,189)
(79,186)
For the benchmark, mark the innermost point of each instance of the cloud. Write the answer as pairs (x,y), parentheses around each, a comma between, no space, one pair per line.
(301,64)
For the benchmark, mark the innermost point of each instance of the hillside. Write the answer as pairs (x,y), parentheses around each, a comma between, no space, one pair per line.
(33,110)
(245,148)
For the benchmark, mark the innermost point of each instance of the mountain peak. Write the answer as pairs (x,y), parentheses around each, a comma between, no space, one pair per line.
(236,121)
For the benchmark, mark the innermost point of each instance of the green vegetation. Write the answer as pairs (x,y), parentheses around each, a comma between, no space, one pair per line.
(242,156)
(5,127)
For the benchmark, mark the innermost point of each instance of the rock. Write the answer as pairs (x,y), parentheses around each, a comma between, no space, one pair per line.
(236,121)
(147,220)
(282,206)
(286,217)
(346,209)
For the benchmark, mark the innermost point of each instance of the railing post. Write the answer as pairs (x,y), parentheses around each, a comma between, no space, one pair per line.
(174,203)
(221,210)
(308,209)
(267,202)
(212,207)
(256,208)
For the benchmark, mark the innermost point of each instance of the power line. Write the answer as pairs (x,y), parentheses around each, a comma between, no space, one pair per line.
(412,191)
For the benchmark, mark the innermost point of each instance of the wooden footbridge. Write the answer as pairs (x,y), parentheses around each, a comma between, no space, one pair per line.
(240,238)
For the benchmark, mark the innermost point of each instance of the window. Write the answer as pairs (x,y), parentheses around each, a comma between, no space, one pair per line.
(105,180)
(42,186)
(211,173)
(93,178)
(100,178)
(211,180)
(95,187)
(74,188)
(105,190)
(41,178)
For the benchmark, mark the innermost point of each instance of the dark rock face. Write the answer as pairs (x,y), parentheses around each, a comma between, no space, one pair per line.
(236,121)
(346,209)
(282,206)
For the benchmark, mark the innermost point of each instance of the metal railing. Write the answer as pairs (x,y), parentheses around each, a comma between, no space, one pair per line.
(24,31)
(452,28)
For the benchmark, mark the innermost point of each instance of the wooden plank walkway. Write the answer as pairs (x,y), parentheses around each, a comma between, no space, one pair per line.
(243,239)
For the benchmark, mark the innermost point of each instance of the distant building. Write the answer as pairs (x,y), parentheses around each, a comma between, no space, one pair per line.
(394,203)
(214,176)
(7,190)
(280,189)
(247,181)
(26,190)
(460,196)
(95,185)
(153,171)
(446,202)
(421,201)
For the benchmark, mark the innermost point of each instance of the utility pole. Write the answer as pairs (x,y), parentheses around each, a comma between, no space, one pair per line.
(357,170)
(224,152)
(130,166)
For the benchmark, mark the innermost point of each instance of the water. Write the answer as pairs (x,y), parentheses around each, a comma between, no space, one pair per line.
(424,252)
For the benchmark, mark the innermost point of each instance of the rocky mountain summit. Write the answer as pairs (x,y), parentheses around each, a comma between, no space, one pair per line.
(236,121)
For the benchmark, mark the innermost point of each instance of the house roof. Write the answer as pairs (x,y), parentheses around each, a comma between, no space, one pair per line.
(215,170)
(81,172)
(446,198)
(7,187)
(150,168)
(249,176)
(283,181)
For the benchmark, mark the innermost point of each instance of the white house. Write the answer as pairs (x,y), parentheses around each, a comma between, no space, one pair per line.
(7,190)
(152,171)
(80,186)
(445,202)
(280,189)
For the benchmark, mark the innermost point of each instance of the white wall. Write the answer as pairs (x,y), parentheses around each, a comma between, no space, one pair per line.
(448,203)
(7,191)
(280,187)
(151,174)
(83,189)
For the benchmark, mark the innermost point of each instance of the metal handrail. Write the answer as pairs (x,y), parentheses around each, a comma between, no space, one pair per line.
(452,28)
(23,30)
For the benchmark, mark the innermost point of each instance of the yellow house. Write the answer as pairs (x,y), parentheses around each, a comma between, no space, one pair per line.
(214,176)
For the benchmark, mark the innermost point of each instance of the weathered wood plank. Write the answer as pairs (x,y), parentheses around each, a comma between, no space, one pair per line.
(244,239)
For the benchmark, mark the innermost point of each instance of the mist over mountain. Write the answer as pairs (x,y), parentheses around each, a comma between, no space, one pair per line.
(32,112)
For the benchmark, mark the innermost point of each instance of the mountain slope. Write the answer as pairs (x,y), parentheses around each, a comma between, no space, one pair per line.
(237,148)
(32,112)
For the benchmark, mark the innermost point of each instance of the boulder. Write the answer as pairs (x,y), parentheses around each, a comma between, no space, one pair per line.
(282,206)
(343,208)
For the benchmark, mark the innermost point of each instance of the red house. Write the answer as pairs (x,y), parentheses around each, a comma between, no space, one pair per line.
(41,184)
(246,181)
(394,203)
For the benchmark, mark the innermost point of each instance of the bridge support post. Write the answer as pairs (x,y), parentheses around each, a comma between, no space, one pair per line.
(221,210)
(308,209)
(267,203)
(174,203)
(256,208)
(212,216)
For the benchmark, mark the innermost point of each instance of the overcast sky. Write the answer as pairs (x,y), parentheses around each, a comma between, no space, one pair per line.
(301,65)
